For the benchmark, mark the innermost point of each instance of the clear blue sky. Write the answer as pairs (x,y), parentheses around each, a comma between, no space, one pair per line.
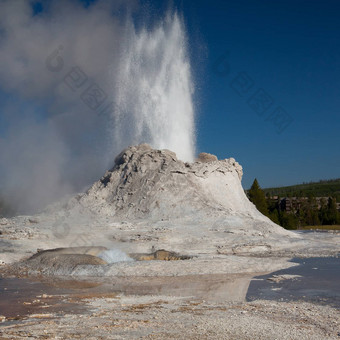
(267,79)
(291,50)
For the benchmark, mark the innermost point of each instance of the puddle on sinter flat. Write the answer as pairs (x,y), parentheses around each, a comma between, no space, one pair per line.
(21,297)
(318,281)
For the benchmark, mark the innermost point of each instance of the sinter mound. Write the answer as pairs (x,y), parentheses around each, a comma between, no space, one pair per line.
(147,183)
(152,199)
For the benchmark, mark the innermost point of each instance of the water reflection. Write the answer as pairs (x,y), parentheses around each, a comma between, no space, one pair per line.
(319,282)
(216,288)
(20,297)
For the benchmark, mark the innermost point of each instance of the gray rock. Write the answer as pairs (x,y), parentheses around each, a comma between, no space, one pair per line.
(206,157)
(61,260)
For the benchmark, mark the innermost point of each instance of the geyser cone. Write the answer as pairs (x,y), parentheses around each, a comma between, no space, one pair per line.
(153,184)
(152,199)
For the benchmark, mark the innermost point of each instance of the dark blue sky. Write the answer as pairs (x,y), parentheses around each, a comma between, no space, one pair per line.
(274,101)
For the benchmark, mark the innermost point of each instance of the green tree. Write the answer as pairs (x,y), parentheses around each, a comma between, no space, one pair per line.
(332,215)
(273,209)
(274,216)
(288,221)
(308,213)
(323,212)
(257,196)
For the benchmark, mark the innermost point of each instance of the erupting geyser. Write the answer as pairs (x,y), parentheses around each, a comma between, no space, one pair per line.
(143,94)
(154,90)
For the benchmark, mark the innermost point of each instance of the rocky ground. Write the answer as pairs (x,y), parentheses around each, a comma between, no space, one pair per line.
(163,317)
(209,306)
(179,314)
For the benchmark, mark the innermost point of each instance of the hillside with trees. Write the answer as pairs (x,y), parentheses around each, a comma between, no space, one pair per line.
(298,206)
(323,188)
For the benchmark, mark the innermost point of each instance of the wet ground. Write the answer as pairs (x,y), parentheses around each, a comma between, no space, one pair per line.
(22,297)
(319,283)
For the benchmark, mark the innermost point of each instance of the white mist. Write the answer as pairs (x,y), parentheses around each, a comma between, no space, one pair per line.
(154,89)
(114,255)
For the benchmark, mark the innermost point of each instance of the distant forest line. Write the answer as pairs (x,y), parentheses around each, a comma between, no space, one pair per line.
(323,188)
(298,206)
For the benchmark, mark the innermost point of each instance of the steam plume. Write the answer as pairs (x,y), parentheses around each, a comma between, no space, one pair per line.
(78,84)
